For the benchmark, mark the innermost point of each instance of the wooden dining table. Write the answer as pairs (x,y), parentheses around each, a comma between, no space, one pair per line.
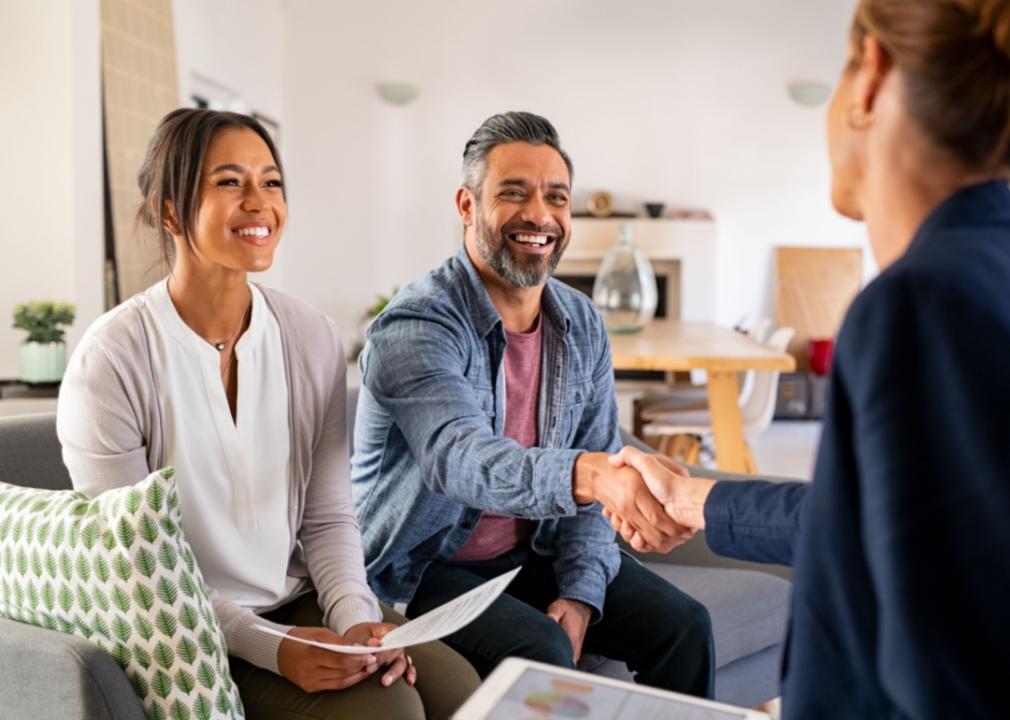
(673,345)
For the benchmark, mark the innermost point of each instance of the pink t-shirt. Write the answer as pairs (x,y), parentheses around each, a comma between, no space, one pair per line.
(497,534)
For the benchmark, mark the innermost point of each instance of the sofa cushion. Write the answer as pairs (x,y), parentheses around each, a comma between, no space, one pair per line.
(30,452)
(118,571)
(749,609)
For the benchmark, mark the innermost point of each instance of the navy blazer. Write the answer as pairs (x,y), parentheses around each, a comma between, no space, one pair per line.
(901,545)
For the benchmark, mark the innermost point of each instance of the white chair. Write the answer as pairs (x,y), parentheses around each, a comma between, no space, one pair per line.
(756,411)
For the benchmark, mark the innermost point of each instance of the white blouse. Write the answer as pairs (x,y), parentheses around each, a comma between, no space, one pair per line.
(232,475)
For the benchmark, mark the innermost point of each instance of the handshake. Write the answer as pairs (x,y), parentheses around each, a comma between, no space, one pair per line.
(651,501)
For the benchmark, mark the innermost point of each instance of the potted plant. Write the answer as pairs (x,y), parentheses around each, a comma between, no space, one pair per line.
(43,353)
(381,301)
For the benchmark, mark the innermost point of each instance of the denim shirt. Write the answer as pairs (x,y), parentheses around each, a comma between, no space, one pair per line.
(430,454)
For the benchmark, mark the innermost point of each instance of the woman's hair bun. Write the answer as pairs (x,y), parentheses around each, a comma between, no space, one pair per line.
(994,21)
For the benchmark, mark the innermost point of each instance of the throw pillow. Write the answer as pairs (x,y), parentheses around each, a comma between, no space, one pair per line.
(117,571)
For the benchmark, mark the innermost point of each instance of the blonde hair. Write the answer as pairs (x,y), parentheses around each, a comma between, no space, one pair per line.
(954,56)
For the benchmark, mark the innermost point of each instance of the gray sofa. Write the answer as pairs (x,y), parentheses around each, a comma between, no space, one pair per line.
(50,676)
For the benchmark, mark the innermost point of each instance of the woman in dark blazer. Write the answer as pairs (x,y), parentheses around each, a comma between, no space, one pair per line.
(901,545)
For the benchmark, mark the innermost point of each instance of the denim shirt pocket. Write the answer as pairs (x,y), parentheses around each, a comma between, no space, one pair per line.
(578,395)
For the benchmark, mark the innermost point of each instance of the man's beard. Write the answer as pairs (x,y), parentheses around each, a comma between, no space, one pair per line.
(518,269)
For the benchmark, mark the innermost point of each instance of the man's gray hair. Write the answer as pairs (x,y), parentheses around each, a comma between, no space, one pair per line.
(504,128)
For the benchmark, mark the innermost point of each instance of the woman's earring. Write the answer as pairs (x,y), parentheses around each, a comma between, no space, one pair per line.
(855,119)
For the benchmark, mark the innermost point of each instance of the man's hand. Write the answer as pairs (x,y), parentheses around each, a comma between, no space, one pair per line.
(682,496)
(398,662)
(573,617)
(622,490)
(314,669)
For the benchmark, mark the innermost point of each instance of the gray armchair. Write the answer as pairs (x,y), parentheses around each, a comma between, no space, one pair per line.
(47,675)
(50,676)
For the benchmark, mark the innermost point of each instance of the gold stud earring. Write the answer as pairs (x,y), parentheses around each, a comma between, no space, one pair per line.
(855,118)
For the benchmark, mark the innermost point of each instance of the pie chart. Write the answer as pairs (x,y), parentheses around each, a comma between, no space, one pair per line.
(555,704)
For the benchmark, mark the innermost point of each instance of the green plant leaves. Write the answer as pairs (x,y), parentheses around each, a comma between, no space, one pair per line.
(44,320)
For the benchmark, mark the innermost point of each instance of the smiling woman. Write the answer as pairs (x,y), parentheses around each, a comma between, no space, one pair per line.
(241,389)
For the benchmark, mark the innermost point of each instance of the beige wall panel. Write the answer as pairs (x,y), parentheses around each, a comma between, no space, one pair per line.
(815,288)
(139,78)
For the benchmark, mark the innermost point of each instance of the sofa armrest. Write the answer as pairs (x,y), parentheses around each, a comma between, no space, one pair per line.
(51,676)
(696,551)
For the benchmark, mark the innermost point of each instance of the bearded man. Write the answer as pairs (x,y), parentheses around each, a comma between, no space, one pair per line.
(484,424)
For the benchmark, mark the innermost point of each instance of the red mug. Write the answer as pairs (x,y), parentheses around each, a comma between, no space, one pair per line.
(819,353)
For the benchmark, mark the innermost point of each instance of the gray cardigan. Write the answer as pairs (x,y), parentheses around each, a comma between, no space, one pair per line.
(110,426)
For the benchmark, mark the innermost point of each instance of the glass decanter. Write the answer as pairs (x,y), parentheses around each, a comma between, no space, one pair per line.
(625,288)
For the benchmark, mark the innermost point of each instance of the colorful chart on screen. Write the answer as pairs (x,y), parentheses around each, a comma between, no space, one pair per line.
(539,695)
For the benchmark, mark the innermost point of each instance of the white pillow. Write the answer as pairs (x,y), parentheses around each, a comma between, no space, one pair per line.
(117,571)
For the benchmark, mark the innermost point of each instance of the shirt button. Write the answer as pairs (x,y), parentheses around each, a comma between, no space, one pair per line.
(560,510)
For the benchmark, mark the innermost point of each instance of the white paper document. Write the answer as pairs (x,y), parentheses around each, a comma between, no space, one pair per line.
(433,625)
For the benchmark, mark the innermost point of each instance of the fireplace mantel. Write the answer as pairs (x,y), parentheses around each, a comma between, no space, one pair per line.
(689,243)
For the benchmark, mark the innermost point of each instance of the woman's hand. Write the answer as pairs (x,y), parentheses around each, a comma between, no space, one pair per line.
(314,669)
(682,496)
(398,662)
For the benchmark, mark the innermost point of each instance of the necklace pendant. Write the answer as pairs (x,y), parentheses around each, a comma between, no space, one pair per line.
(221,346)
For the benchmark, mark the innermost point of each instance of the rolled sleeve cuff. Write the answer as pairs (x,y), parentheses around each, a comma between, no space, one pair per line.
(254,646)
(351,611)
(552,483)
(589,588)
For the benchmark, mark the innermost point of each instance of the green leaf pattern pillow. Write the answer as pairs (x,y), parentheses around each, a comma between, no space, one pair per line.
(117,571)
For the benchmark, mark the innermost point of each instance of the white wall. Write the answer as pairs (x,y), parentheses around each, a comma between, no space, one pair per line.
(683,102)
(655,99)
(51,184)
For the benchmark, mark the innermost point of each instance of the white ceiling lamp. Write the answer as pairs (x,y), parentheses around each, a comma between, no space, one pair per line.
(808,93)
(398,93)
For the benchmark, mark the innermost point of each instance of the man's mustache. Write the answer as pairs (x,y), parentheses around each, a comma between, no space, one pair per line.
(513,227)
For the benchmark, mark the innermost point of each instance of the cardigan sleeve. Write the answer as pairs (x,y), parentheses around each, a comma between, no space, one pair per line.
(100,422)
(329,530)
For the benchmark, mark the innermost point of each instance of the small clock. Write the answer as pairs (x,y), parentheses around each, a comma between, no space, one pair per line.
(601,204)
